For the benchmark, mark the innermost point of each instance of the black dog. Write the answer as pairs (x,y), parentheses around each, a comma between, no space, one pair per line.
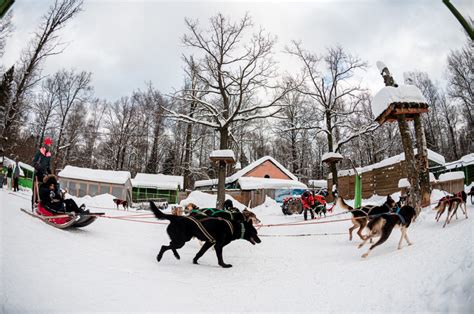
(384,224)
(235,214)
(214,231)
(118,202)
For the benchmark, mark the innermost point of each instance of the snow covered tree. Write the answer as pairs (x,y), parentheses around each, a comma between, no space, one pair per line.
(72,89)
(44,109)
(461,86)
(236,68)
(334,95)
(6,28)
(91,132)
(45,43)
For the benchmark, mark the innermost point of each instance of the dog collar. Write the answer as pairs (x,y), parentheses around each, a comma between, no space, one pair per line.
(242,230)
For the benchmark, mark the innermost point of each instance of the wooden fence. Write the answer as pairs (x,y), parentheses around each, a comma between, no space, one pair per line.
(384,181)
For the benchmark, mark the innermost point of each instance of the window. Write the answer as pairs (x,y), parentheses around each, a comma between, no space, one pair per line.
(82,189)
(267,176)
(117,192)
(72,188)
(93,189)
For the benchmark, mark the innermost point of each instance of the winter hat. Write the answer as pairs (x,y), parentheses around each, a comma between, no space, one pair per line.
(48,141)
(50,179)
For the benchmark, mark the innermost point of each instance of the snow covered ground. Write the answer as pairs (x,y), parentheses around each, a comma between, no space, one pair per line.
(110,266)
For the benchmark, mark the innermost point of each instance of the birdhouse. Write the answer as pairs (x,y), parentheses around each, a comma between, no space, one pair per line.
(392,101)
(331,158)
(225,155)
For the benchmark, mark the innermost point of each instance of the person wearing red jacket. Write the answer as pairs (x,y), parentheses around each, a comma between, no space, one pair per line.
(307,201)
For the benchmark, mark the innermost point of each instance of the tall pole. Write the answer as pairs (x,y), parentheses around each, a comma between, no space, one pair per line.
(460,18)
(412,172)
(423,167)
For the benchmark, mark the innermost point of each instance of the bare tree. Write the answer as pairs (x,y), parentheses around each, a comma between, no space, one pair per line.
(6,28)
(72,88)
(121,126)
(461,85)
(44,108)
(45,43)
(72,135)
(296,115)
(332,94)
(91,132)
(234,70)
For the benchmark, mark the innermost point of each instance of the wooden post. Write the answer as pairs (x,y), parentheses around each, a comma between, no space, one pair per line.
(423,168)
(410,162)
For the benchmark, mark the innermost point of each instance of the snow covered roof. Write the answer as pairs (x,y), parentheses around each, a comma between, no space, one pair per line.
(7,162)
(464,161)
(258,162)
(95,175)
(331,155)
(26,166)
(158,181)
(404,183)
(390,94)
(318,183)
(252,183)
(245,170)
(236,176)
(223,153)
(437,158)
(449,176)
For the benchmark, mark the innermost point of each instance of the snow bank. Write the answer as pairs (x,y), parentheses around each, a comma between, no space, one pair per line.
(390,94)
(206,200)
(102,201)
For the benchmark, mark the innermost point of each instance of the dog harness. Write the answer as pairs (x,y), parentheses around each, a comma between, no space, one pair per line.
(203,230)
(214,212)
(242,230)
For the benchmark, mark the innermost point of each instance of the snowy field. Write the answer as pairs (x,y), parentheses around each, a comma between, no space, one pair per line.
(110,266)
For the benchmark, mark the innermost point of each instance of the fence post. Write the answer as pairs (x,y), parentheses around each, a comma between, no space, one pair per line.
(358,191)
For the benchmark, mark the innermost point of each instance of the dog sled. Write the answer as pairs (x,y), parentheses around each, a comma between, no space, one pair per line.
(63,221)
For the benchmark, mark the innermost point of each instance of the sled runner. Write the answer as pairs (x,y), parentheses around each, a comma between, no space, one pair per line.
(66,220)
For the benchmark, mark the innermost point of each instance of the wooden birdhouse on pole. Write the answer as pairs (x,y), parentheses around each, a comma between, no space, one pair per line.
(223,158)
(402,104)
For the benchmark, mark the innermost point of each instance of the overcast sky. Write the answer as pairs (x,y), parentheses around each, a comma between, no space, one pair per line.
(127,43)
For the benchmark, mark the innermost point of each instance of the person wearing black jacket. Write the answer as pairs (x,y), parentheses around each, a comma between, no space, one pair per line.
(42,165)
(42,160)
(53,200)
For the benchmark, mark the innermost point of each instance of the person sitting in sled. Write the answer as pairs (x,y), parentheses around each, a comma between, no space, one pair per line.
(307,201)
(53,200)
